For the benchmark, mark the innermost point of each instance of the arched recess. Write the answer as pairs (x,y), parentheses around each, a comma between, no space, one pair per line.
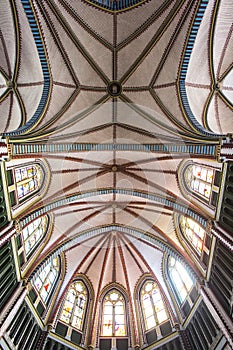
(195,238)
(114,318)
(31,239)
(152,310)
(73,320)
(200,183)
(25,183)
(181,284)
(45,283)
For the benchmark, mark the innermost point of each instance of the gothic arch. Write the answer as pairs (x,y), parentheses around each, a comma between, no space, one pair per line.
(200,182)
(26,183)
(31,239)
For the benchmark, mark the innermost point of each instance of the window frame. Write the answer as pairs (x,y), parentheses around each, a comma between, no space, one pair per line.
(173,285)
(125,315)
(38,291)
(185,183)
(84,314)
(152,303)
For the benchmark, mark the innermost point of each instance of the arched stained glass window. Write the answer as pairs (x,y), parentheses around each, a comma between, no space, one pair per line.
(74,308)
(33,233)
(45,281)
(193,232)
(180,278)
(199,179)
(113,316)
(153,307)
(28,179)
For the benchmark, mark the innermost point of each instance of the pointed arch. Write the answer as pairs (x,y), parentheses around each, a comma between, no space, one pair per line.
(75,311)
(45,284)
(181,285)
(152,310)
(75,304)
(27,182)
(180,279)
(113,315)
(201,181)
(31,238)
(195,238)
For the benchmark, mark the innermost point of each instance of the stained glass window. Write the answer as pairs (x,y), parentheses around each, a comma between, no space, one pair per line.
(199,179)
(33,233)
(28,179)
(153,307)
(114,318)
(180,278)
(193,232)
(74,308)
(46,279)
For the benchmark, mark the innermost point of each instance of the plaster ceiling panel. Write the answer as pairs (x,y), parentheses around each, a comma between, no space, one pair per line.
(223,38)
(129,217)
(200,53)
(151,60)
(227,86)
(7,41)
(58,64)
(106,275)
(74,257)
(132,136)
(129,52)
(177,33)
(145,102)
(100,22)
(3,84)
(30,68)
(126,180)
(225,115)
(129,22)
(10,109)
(135,265)
(2,90)
(96,135)
(101,114)
(219,116)
(100,54)
(120,272)
(167,94)
(59,98)
(30,95)
(158,179)
(133,158)
(197,97)
(95,268)
(86,71)
(151,255)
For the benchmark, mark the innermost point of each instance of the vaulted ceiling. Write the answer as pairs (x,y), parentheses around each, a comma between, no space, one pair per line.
(82,72)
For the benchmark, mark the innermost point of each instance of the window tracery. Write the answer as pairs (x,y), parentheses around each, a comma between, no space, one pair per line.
(30,237)
(28,179)
(153,307)
(74,308)
(180,279)
(33,233)
(113,315)
(193,232)
(45,281)
(202,181)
